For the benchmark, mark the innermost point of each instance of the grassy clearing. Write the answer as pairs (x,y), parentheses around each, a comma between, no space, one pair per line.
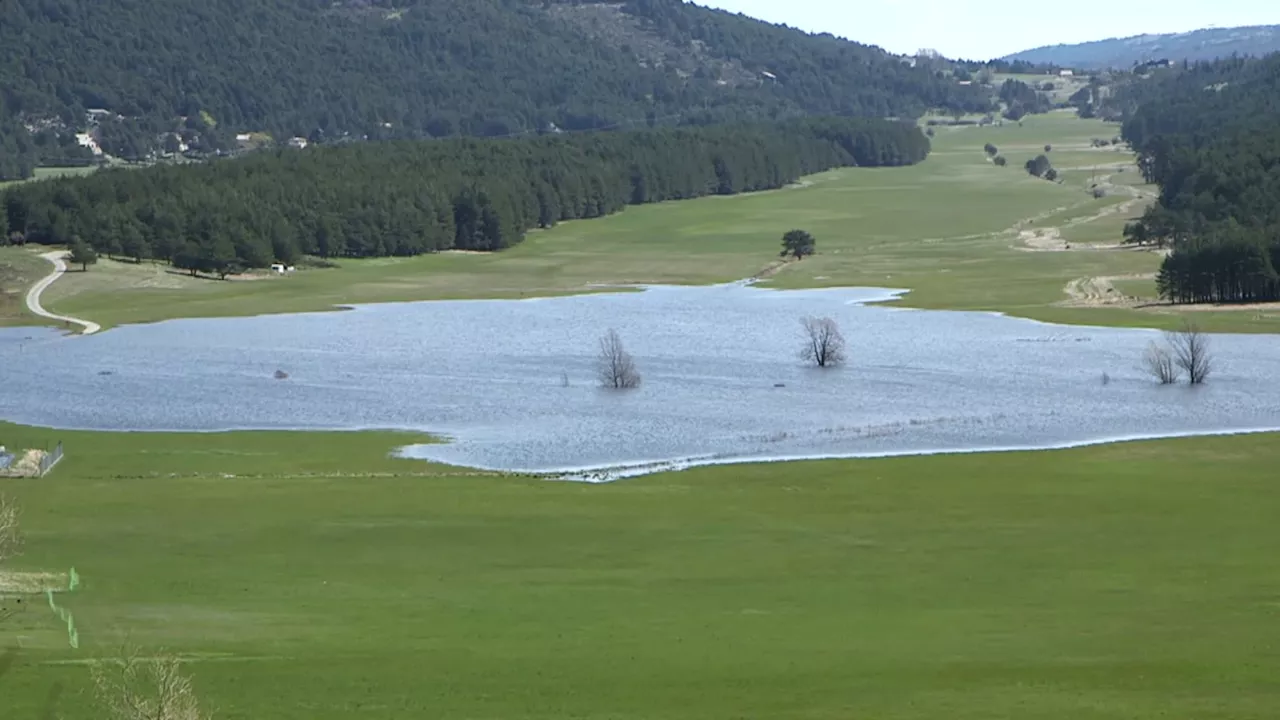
(940,229)
(52,172)
(19,269)
(311,576)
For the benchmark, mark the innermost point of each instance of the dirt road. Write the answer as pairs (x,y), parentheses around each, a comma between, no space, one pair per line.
(33,295)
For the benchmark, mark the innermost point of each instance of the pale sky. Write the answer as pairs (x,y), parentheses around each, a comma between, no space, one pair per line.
(985,30)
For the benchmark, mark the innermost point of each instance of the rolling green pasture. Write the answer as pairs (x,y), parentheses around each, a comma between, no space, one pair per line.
(311,576)
(946,229)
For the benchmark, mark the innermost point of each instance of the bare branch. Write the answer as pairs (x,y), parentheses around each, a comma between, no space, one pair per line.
(1191,352)
(10,537)
(1158,362)
(614,365)
(824,346)
(137,688)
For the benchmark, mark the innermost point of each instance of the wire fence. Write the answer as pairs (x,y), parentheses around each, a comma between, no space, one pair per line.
(50,459)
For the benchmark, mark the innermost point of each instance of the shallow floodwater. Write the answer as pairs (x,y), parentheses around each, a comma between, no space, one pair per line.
(722,379)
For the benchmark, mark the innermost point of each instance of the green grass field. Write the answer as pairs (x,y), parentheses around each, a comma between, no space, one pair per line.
(944,229)
(52,172)
(310,576)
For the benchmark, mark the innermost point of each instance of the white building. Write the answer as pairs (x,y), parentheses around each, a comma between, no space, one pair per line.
(87,140)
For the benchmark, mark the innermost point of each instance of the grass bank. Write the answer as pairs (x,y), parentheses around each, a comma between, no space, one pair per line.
(948,229)
(311,576)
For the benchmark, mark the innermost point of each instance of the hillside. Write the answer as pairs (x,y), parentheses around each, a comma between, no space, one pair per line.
(1209,138)
(193,74)
(1208,44)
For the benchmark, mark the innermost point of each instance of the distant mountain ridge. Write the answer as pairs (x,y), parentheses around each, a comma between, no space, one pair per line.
(1206,44)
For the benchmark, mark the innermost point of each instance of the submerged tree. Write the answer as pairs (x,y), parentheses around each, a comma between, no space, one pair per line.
(1158,363)
(614,365)
(1191,352)
(824,346)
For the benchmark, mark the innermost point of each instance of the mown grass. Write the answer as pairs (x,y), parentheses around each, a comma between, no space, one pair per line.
(310,575)
(19,269)
(939,229)
(51,172)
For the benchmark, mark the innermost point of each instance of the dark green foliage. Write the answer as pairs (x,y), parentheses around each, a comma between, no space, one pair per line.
(205,70)
(799,244)
(1021,100)
(1210,137)
(1000,161)
(991,150)
(412,197)
(1040,166)
(82,254)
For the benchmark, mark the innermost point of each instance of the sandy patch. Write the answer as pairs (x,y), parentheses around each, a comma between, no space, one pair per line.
(772,269)
(26,466)
(1101,291)
(31,583)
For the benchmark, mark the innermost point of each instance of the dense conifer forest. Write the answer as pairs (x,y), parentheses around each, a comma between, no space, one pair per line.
(412,197)
(195,73)
(1209,136)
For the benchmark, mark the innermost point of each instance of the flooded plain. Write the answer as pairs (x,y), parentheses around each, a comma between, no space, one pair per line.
(512,384)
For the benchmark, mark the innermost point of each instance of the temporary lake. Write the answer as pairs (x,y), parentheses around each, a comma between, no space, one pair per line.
(512,385)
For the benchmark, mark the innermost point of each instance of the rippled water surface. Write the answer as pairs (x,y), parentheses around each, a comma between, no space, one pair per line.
(722,379)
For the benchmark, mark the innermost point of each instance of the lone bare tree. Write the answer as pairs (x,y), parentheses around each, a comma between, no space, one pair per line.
(10,538)
(138,688)
(823,343)
(1191,352)
(1158,362)
(614,365)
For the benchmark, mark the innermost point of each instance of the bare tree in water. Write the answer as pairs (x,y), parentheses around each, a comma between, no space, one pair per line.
(823,344)
(1158,362)
(614,365)
(1191,352)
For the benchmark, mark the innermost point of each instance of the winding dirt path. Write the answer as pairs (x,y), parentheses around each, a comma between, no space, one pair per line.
(87,327)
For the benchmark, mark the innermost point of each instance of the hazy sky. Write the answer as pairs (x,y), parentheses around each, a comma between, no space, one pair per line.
(984,30)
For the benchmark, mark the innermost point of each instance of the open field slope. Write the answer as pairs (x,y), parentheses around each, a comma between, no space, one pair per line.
(952,229)
(310,576)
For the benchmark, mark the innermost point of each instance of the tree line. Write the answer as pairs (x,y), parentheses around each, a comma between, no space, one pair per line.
(411,197)
(199,72)
(1209,136)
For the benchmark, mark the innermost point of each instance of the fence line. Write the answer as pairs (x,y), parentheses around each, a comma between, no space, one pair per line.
(50,459)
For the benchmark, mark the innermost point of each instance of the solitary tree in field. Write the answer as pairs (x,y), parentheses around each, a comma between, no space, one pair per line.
(1000,161)
(798,243)
(82,254)
(991,150)
(823,343)
(614,365)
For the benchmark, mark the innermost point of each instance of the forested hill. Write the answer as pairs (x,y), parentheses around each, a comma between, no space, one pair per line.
(1210,138)
(325,70)
(1124,53)
(411,197)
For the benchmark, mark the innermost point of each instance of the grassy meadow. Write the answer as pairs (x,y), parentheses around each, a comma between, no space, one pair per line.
(311,576)
(946,229)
